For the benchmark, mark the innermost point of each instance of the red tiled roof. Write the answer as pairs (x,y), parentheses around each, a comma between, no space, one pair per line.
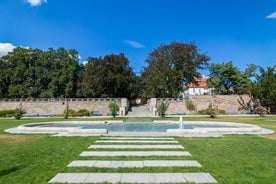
(200,83)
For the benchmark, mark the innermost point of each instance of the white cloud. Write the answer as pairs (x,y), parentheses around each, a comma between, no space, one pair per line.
(36,2)
(5,48)
(271,16)
(134,44)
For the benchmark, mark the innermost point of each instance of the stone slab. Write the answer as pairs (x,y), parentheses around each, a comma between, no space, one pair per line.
(136,141)
(151,146)
(133,178)
(131,164)
(135,153)
(137,138)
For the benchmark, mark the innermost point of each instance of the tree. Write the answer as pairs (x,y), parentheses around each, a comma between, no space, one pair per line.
(110,76)
(32,73)
(171,66)
(264,87)
(228,79)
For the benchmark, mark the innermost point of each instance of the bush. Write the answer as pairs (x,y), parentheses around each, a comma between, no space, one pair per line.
(113,107)
(203,112)
(71,112)
(162,108)
(7,113)
(212,111)
(83,112)
(221,112)
(262,111)
(190,105)
(19,113)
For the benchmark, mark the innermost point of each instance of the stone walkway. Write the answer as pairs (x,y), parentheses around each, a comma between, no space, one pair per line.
(128,177)
(143,146)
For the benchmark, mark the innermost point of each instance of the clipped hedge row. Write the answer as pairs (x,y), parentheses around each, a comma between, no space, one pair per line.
(7,113)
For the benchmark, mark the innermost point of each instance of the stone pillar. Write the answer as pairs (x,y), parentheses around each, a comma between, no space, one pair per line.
(123,107)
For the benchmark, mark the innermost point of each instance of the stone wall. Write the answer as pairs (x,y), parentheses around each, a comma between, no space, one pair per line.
(57,106)
(225,102)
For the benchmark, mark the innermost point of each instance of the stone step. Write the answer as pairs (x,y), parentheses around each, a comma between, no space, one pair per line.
(143,146)
(136,141)
(139,138)
(134,163)
(135,153)
(133,178)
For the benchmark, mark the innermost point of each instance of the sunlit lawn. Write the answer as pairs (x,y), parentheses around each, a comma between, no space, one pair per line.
(230,159)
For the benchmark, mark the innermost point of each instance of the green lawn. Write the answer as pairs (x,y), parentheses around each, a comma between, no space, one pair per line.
(230,159)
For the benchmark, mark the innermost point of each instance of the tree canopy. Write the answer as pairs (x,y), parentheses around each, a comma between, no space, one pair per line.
(225,78)
(264,87)
(110,76)
(171,66)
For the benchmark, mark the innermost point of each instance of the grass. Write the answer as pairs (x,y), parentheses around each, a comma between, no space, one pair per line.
(230,159)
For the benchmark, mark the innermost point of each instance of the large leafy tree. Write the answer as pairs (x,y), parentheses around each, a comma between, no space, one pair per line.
(228,79)
(110,76)
(264,87)
(32,73)
(171,66)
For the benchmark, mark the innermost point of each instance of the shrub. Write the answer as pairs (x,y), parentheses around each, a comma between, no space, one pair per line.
(162,108)
(19,113)
(221,112)
(262,111)
(212,111)
(7,113)
(71,112)
(203,112)
(190,105)
(113,107)
(83,112)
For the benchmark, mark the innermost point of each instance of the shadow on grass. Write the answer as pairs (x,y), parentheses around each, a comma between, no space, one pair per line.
(11,170)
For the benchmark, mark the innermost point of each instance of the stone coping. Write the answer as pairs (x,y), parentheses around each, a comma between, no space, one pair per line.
(234,128)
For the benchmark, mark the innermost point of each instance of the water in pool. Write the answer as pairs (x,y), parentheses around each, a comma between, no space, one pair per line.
(135,127)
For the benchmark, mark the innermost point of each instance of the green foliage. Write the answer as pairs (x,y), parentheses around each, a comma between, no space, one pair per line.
(212,111)
(19,113)
(221,111)
(84,112)
(262,111)
(71,112)
(7,113)
(190,105)
(35,73)
(203,112)
(169,67)
(162,108)
(110,76)
(113,108)
(263,88)
(228,79)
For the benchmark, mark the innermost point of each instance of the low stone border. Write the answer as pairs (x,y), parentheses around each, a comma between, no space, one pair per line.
(234,128)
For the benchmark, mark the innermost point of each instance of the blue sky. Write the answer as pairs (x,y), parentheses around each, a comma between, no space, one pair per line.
(243,31)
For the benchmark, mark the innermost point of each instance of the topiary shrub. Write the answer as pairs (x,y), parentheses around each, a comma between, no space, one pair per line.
(83,112)
(162,108)
(113,108)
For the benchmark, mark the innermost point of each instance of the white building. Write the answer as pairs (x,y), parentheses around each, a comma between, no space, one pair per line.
(200,87)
